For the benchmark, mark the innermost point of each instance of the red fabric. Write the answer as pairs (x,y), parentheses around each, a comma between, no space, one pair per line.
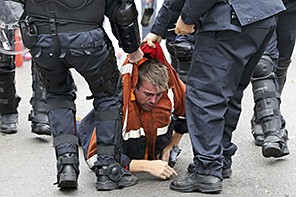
(156,52)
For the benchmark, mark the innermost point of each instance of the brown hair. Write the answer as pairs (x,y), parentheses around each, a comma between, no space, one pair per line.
(155,72)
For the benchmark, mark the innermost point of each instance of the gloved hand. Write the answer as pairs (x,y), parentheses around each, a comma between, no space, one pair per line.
(182,28)
(150,38)
(135,56)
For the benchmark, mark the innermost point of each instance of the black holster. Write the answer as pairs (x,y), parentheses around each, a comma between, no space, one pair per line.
(29,33)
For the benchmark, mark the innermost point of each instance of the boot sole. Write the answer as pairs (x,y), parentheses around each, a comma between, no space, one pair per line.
(41,132)
(106,186)
(123,184)
(284,153)
(68,181)
(226,173)
(10,131)
(271,150)
(204,188)
(68,184)
(110,185)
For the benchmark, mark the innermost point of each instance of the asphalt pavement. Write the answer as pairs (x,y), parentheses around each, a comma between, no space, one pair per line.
(28,165)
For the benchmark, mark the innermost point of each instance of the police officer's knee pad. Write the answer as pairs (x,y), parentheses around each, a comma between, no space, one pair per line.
(264,69)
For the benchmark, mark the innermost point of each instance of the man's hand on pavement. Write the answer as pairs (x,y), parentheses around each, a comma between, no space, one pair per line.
(161,169)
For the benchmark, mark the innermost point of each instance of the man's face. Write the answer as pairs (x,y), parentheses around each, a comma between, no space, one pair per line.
(147,96)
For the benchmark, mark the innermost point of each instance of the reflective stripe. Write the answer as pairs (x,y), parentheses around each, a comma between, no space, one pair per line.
(133,133)
(162,131)
(125,123)
(171,97)
(91,161)
(140,132)
(128,68)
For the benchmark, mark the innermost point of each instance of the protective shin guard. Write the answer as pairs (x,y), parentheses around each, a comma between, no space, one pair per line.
(38,115)
(257,132)
(9,100)
(268,113)
(266,110)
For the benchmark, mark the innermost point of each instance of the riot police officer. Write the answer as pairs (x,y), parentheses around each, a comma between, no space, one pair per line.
(9,100)
(69,34)
(10,13)
(231,37)
(268,84)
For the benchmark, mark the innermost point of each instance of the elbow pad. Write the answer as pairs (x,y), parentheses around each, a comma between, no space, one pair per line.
(125,25)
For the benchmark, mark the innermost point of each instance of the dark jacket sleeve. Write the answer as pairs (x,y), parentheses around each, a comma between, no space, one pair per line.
(167,17)
(193,10)
(110,6)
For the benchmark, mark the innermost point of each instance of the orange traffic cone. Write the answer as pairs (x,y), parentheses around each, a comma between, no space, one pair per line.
(19,60)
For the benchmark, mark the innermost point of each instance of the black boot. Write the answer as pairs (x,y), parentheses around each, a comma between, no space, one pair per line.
(113,177)
(68,171)
(276,145)
(9,123)
(40,123)
(197,182)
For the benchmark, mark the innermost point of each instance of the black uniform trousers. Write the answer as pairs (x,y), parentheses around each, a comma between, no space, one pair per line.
(222,65)
(282,44)
(286,30)
(88,52)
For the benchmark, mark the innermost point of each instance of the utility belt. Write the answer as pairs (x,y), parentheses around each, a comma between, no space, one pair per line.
(31,32)
(45,29)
